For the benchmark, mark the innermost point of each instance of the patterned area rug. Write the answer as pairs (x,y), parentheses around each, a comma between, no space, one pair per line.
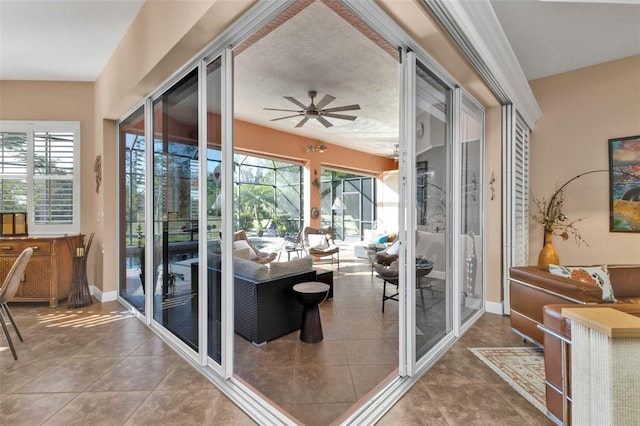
(522,368)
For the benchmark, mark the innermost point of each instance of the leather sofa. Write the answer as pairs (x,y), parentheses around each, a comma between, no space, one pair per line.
(557,361)
(531,288)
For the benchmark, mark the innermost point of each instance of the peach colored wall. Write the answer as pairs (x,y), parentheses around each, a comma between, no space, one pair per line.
(582,110)
(164,36)
(262,140)
(493,207)
(60,101)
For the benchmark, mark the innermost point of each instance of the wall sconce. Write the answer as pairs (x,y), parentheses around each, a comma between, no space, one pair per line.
(319,148)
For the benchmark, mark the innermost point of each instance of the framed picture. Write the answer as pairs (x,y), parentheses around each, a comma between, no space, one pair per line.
(624,184)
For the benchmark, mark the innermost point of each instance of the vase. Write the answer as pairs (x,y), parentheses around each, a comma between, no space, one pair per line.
(548,254)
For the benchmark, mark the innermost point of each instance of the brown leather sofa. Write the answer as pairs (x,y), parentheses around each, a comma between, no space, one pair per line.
(531,288)
(557,359)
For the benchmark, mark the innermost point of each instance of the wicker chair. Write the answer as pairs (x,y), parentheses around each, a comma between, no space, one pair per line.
(322,246)
(257,255)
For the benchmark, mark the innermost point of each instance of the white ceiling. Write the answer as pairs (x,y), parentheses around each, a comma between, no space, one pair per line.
(63,40)
(71,40)
(550,37)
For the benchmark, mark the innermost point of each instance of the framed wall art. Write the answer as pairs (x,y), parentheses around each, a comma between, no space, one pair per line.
(624,184)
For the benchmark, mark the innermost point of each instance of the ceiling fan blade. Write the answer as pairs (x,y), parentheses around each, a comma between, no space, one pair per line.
(301,123)
(288,116)
(341,116)
(279,109)
(325,101)
(295,101)
(343,108)
(324,121)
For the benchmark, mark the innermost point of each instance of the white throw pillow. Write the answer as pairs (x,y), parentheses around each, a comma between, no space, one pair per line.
(395,248)
(243,244)
(243,253)
(598,275)
(318,241)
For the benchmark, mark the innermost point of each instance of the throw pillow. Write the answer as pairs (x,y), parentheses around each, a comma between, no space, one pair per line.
(317,241)
(395,248)
(244,244)
(598,275)
(243,253)
(295,266)
(381,239)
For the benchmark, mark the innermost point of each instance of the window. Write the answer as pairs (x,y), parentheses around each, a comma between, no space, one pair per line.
(39,174)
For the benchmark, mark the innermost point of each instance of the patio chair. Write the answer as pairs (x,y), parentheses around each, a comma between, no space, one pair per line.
(241,241)
(384,257)
(320,243)
(8,290)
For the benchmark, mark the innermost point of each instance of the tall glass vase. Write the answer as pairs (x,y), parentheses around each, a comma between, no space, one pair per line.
(548,254)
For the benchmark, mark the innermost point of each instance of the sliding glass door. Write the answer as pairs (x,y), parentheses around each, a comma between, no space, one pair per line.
(427,269)
(133,231)
(175,209)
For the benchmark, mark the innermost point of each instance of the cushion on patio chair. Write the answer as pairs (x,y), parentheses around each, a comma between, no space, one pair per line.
(241,241)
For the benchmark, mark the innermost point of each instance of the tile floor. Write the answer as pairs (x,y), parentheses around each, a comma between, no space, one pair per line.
(99,365)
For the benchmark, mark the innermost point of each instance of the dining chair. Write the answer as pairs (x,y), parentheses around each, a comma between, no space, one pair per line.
(8,290)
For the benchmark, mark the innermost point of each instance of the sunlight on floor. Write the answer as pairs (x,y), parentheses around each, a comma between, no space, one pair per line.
(73,319)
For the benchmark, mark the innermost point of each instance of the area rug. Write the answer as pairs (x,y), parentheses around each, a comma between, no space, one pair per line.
(522,368)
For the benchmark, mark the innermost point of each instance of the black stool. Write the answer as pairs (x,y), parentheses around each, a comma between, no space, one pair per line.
(311,294)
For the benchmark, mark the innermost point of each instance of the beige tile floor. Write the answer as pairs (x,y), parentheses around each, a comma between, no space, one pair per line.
(99,365)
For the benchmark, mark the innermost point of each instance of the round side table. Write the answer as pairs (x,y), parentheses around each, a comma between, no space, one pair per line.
(311,294)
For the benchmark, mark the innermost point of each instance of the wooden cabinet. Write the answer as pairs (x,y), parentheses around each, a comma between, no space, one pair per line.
(49,272)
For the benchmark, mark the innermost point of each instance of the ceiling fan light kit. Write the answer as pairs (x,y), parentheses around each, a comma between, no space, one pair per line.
(318,112)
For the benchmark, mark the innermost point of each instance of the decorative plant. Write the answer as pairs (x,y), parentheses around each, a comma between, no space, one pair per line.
(173,276)
(551,216)
(550,213)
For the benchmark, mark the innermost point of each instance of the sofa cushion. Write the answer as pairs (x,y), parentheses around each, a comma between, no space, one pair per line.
(295,266)
(598,276)
(625,281)
(250,270)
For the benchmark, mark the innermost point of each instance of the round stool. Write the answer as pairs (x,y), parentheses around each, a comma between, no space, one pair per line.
(311,294)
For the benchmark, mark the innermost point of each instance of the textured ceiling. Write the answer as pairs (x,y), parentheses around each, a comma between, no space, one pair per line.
(316,49)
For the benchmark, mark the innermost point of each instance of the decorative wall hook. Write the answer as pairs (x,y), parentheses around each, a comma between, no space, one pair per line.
(491,182)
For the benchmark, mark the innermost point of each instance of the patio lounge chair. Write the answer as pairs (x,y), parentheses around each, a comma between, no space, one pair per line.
(320,243)
(240,241)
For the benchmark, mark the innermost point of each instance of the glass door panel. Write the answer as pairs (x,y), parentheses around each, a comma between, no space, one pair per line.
(471,247)
(132,199)
(175,209)
(433,307)
(214,211)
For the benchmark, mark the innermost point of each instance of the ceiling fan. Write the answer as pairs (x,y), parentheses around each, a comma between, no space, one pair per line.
(316,111)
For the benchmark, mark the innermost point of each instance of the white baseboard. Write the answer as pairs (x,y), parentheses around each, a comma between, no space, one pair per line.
(493,308)
(108,296)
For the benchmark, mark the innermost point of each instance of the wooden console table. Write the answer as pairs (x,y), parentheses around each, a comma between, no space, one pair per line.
(49,273)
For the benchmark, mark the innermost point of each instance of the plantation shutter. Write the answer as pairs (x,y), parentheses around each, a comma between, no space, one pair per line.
(516,194)
(53,167)
(40,174)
